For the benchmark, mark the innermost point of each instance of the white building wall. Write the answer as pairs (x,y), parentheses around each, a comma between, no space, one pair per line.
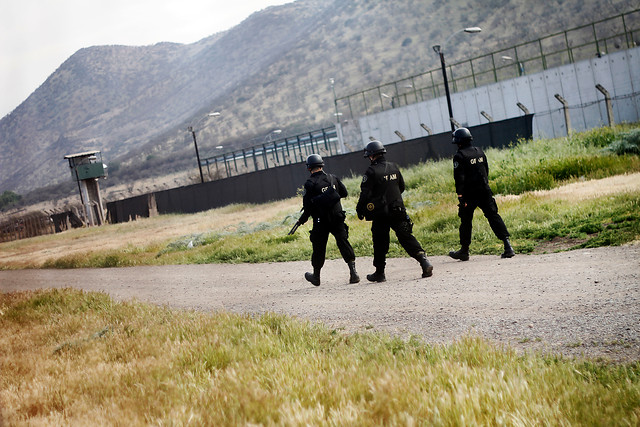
(618,73)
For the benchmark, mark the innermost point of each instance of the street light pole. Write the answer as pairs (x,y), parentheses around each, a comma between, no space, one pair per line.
(195,142)
(439,49)
(268,136)
(337,117)
(267,139)
(193,133)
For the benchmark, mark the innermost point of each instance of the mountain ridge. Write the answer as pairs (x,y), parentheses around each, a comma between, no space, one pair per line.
(134,103)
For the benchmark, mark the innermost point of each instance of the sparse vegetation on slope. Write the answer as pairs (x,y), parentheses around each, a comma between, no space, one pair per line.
(135,103)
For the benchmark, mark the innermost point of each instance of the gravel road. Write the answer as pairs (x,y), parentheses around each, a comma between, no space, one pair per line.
(577,303)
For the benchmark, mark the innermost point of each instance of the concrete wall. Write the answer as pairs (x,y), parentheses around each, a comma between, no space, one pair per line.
(618,72)
(284,181)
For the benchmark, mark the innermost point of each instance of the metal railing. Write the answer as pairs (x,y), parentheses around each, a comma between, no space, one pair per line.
(279,152)
(596,39)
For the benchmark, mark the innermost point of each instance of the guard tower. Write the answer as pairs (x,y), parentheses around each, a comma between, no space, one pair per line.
(86,168)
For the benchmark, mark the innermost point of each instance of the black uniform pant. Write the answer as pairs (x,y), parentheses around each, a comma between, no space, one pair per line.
(319,236)
(490,209)
(403,227)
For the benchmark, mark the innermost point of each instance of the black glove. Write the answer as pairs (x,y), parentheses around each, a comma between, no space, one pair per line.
(360,216)
(461,202)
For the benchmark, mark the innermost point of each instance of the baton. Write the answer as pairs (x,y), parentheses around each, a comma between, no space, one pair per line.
(297,224)
(293,230)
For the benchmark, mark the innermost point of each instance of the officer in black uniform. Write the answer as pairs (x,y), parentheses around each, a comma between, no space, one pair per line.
(321,201)
(381,202)
(471,171)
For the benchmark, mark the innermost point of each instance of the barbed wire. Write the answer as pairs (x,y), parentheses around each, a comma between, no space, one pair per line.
(586,104)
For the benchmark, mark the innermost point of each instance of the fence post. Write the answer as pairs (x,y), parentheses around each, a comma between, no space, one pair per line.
(524,109)
(607,100)
(565,107)
(427,128)
(486,115)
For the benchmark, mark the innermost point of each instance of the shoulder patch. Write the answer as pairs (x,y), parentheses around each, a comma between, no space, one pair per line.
(364,178)
(455,165)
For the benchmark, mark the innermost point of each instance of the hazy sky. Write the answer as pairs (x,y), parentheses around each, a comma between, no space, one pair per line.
(37,36)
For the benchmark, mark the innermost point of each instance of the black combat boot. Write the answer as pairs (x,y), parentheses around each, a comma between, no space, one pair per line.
(427,268)
(508,250)
(353,275)
(462,254)
(314,277)
(378,276)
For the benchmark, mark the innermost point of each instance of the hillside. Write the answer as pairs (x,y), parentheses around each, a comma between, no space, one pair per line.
(271,71)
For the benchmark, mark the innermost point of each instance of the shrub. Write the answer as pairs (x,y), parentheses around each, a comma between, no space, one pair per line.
(627,143)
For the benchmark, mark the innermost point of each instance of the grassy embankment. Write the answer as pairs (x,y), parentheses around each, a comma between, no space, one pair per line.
(72,358)
(258,233)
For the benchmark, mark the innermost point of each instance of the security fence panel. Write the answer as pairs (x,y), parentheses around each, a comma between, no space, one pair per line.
(496,103)
(461,103)
(347,165)
(571,92)
(481,102)
(438,112)
(524,94)
(413,117)
(128,209)
(597,39)
(508,107)
(553,87)
(171,202)
(202,198)
(187,200)
(284,181)
(426,121)
(540,103)
(605,76)
(586,87)
(633,103)
(474,73)
(622,84)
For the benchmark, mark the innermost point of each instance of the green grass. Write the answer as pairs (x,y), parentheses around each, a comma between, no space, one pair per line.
(517,170)
(74,358)
(430,199)
(529,165)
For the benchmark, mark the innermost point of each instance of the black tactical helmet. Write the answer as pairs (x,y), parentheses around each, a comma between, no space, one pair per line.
(373,148)
(314,161)
(462,136)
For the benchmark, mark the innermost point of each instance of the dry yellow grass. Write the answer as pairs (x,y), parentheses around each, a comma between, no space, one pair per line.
(627,183)
(141,233)
(73,358)
(157,231)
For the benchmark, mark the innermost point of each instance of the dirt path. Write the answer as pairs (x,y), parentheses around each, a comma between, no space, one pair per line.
(584,302)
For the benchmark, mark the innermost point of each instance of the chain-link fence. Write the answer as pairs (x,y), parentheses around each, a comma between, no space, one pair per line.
(279,152)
